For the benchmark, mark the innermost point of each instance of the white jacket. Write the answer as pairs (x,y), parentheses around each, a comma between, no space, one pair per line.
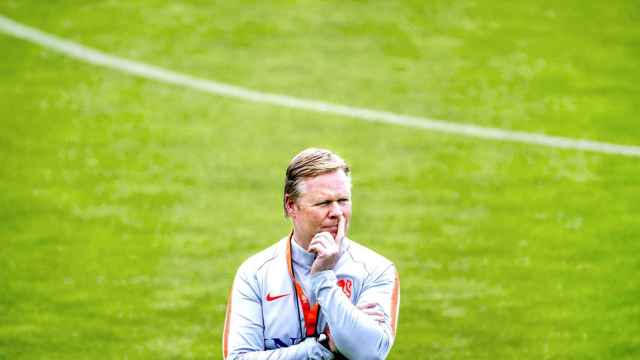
(264,317)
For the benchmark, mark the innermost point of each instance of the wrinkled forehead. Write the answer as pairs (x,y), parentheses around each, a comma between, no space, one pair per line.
(333,184)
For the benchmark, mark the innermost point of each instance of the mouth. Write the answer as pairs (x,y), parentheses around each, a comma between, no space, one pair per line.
(332,229)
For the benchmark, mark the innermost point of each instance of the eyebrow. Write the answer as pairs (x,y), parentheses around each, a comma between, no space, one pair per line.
(340,198)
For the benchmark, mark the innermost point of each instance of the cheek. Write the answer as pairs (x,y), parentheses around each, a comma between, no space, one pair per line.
(318,216)
(313,217)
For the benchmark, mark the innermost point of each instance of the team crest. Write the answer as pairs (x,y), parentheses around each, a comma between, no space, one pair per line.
(347,286)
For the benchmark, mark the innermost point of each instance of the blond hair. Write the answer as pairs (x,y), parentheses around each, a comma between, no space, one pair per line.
(308,163)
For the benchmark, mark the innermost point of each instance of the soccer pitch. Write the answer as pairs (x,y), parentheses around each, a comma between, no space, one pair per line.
(126,204)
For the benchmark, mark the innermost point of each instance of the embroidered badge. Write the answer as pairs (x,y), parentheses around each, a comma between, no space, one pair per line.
(347,286)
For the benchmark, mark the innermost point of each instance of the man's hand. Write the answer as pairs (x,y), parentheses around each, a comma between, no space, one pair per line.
(371,310)
(326,248)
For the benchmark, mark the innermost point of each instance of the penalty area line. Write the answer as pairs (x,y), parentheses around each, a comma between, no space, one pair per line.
(140,69)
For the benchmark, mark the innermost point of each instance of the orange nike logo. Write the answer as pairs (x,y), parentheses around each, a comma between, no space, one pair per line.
(271,298)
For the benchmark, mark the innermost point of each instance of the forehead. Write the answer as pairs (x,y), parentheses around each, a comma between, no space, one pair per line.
(336,183)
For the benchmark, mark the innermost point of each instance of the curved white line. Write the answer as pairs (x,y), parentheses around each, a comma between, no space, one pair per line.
(140,69)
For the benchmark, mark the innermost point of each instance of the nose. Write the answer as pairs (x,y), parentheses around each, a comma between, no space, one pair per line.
(335,211)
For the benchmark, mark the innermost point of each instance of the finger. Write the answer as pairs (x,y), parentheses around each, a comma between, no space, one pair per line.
(371,311)
(376,316)
(342,224)
(316,248)
(374,313)
(319,238)
(323,235)
(366,306)
(323,238)
(379,319)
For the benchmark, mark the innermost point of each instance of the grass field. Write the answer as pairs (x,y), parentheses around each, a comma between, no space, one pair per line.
(126,205)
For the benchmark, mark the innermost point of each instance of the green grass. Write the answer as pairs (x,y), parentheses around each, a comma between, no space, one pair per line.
(126,205)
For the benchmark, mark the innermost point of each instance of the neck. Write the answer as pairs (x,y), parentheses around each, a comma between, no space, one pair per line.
(303,244)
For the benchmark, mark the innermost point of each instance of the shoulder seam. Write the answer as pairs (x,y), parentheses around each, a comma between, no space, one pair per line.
(362,263)
(275,255)
(385,270)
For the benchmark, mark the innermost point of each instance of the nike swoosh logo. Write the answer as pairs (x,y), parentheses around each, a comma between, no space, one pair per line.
(271,298)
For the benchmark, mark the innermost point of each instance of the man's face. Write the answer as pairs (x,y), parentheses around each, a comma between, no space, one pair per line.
(322,201)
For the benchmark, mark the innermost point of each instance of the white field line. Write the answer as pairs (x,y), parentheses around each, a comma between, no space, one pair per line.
(143,70)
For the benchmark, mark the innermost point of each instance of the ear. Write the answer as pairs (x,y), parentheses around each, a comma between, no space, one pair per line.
(290,206)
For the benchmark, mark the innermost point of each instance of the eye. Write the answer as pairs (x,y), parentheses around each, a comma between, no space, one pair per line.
(343,201)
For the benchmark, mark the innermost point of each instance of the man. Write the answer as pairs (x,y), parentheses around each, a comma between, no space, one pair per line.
(315,294)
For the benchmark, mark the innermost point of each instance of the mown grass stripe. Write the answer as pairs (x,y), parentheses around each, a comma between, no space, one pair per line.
(147,71)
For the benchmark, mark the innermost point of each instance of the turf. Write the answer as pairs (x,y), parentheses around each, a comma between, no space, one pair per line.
(126,205)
